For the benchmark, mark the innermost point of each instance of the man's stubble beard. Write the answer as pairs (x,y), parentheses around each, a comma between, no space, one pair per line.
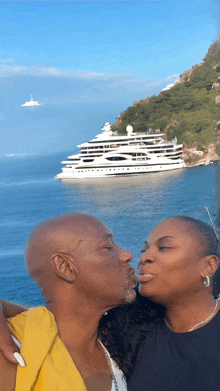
(130,294)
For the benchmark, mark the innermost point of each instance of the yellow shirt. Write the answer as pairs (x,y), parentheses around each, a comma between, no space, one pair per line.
(49,366)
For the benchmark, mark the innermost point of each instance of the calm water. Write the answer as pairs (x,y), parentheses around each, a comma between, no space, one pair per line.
(130,206)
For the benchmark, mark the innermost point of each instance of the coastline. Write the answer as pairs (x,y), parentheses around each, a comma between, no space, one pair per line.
(206,163)
(194,158)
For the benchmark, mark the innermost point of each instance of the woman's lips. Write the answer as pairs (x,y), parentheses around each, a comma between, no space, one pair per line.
(145,277)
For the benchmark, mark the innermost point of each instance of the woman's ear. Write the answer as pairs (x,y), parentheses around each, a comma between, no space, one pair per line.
(64,267)
(210,266)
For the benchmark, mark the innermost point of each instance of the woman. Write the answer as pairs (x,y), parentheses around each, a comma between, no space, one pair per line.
(178,348)
(169,338)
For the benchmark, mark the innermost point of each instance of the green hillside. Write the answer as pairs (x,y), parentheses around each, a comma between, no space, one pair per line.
(190,110)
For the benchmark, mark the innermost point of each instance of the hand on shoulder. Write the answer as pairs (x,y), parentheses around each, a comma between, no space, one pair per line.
(7,345)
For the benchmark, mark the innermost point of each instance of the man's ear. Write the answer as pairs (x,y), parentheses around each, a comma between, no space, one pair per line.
(210,266)
(64,267)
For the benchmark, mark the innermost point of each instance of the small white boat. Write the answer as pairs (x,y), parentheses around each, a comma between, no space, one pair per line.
(31,103)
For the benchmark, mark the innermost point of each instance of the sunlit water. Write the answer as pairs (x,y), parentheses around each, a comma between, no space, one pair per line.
(130,206)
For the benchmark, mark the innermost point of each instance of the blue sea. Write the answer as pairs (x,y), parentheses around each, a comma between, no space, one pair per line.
(130,206)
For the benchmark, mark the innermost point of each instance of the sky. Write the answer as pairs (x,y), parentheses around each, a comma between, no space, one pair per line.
(106,53)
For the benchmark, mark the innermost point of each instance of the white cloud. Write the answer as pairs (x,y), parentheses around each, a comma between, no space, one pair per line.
(132,83)
(7,68)
(118,80)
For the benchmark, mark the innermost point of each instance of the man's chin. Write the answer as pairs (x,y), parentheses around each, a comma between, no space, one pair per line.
(129,298)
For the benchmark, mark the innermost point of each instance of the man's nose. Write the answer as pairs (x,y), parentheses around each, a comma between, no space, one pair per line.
(125,256)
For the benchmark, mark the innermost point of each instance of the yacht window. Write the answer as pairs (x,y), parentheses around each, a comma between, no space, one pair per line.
(74,160)
(112,158)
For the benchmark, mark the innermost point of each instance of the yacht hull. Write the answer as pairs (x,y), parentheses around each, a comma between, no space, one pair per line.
(100,172)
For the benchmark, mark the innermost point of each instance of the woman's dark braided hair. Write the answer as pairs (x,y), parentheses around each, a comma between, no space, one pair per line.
(124,329)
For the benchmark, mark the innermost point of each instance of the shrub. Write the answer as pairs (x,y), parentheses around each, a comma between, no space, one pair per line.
(188,160)
(217,150)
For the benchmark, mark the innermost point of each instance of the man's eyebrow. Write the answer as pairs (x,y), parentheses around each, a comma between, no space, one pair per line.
(106,237)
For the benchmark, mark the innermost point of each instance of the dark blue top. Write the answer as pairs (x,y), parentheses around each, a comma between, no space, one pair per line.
(169,361)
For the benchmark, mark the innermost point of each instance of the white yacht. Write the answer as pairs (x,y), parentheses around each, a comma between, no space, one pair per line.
(112,154)
(31,103)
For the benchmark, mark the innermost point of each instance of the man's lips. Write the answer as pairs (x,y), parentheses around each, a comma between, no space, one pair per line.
(131,275)
(145,276)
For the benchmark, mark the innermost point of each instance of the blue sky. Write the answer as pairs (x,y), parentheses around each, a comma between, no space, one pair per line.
(148,39)
(96,52)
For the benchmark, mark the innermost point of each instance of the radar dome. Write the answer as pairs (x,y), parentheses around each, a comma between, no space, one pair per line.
(129,129)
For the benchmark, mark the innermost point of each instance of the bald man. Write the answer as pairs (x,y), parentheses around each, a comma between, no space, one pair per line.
(82,274)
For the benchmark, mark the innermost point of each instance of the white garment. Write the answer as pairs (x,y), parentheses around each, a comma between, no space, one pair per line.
(117,372)
(119,377)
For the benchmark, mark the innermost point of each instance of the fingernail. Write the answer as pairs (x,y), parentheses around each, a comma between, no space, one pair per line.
(18,343)
(19,359)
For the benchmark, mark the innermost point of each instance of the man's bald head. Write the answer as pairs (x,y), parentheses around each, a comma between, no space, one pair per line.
(74,260)
(57,235)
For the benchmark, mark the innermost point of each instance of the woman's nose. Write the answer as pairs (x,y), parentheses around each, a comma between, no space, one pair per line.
(144,258)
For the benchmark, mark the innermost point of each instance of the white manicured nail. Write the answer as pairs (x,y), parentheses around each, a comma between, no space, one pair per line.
(19,359)
(18,343)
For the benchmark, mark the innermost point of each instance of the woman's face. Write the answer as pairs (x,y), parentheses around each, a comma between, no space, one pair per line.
(171,264)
